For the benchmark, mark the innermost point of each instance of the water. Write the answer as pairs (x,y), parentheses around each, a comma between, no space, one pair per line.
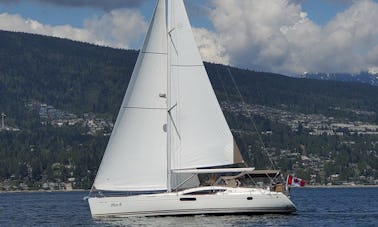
(316,207)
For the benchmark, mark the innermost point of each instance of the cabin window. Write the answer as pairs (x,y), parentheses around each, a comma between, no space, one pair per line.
(206,192)
(188,199)
(249,198)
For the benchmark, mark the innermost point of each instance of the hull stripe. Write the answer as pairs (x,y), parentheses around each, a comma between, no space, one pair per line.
(200,211)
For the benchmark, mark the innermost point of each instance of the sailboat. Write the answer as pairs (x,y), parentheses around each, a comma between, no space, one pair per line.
(169,129)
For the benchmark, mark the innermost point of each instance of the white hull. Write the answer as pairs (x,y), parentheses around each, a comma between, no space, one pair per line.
(224,201)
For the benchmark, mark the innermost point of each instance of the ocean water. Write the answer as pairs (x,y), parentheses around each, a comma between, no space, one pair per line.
(316,207)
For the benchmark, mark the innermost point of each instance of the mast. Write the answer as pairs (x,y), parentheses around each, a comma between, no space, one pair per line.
(169,145)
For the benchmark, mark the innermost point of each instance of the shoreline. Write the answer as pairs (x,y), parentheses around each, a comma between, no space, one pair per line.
(41,191)
(342,186)
(307,186)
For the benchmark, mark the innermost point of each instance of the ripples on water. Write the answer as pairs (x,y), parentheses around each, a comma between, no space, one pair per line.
(316,207)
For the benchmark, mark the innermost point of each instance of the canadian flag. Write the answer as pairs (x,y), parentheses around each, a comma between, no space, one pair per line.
(294,181)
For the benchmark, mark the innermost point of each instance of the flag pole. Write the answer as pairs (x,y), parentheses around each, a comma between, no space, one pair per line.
(286,184)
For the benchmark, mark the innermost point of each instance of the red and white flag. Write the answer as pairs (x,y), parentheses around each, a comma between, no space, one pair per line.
(295,181)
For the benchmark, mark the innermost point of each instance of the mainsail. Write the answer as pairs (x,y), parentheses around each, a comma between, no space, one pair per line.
(170,118)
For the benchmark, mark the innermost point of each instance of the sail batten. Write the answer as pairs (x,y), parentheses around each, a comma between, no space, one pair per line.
(149,52)
(187,65)
(146,108)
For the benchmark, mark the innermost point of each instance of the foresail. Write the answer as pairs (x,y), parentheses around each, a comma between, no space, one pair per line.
(136,156)
(201,136)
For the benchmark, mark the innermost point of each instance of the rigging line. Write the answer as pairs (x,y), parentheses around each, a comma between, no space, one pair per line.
(170,37)
(151,52)
(253,122)
(173,122)
(169,110)
(223,86)
(183,182)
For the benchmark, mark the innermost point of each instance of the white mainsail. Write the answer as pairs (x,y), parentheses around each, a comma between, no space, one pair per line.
(136,156)
(170,118)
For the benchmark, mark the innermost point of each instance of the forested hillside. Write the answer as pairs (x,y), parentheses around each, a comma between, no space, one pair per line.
(87,83)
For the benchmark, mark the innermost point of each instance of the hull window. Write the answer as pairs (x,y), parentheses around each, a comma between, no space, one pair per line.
(188,199)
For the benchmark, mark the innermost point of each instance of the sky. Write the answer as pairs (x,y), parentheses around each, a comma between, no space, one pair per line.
(282,36)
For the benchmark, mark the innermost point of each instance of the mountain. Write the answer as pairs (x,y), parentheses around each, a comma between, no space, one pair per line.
(60,95)
(70,75)
(84,78)
(363,77)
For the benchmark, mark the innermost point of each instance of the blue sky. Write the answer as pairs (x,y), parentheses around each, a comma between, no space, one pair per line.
(286,43)
(321,11)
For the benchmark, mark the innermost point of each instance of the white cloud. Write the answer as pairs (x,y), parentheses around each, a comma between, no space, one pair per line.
(372,57)
(258,34)
(210,46)
(19,24)
(347,38)
(118,28)
(269,35)
(277,36)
